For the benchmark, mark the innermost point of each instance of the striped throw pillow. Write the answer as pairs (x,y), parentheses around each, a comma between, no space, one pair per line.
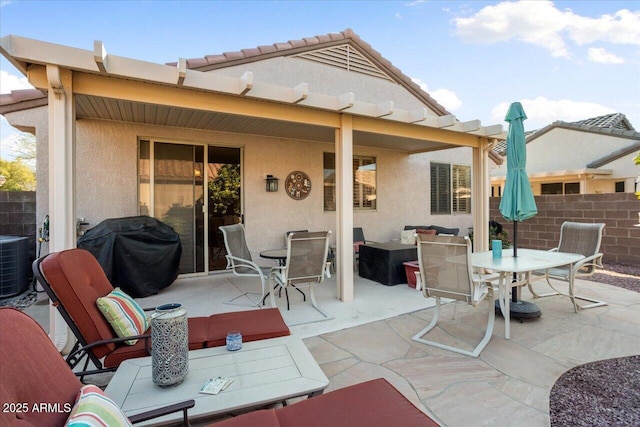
(123,314)
(94,408)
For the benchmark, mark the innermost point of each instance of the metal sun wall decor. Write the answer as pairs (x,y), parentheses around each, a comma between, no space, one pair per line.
(298,185)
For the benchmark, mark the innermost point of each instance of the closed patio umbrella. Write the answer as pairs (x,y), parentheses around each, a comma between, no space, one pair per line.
(517,203)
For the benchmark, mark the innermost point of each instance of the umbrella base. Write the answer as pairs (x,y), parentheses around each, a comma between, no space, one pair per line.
(521,310)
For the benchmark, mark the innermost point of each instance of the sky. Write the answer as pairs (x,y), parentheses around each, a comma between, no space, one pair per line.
(563,60)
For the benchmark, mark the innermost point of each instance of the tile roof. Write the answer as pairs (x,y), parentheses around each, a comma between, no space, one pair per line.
(598,163)
(615,124)
(614,121)
(309,44)
(22,99)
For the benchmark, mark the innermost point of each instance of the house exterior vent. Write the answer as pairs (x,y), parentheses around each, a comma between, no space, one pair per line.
(345,57)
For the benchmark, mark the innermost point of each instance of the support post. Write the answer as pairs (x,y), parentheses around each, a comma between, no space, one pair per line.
(61,180)
(344,208)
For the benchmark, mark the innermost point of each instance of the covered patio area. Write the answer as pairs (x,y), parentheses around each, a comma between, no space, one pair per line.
(370,337)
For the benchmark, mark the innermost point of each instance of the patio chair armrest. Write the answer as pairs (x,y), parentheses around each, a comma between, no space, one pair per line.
(81,349)
(594,260)
(170,409)
(241,262)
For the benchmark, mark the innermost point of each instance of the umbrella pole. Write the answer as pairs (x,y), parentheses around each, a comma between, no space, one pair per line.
(514,294)
(518,309)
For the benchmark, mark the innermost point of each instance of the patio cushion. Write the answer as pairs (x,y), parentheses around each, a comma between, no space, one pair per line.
(261,417)
(123,314)
(198,327)
(374,403)
(94,408)
(421,231)
(408,237)
(78,280)
(253,324)
(29,342)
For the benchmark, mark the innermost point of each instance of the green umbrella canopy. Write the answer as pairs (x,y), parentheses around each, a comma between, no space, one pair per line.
(517,203)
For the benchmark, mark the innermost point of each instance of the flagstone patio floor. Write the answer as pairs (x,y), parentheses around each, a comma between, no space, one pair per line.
(507,385)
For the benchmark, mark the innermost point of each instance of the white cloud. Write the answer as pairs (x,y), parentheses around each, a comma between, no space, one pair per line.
(542,24)
(598,54)
(9,82)
(542,111)
(447,98)
(538,22)
(623,27)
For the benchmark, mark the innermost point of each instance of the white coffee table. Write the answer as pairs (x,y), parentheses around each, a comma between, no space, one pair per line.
(263,372)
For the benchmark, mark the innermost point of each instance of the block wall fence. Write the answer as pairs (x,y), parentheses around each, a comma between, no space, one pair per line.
(619,211)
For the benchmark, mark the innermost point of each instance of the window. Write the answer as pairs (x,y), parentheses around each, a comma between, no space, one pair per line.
(450,188)
(572,188)
(364,182)
(560,188)
(619,187)
(551,188)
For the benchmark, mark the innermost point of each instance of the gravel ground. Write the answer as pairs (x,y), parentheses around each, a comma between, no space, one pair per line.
(607,392)
(604,393)
(624,276)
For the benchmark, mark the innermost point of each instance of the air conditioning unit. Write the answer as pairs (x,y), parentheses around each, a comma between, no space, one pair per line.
(14,265)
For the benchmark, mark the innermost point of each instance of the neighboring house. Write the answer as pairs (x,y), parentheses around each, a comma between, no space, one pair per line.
(589,156)
(192,144)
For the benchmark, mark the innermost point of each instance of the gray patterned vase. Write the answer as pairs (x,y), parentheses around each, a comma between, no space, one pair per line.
(169,345)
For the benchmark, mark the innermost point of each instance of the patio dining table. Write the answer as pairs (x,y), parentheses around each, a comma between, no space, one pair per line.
(278,254)
(527,261)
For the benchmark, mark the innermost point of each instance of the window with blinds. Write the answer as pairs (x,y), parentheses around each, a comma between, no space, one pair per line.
(450,188)
(364,182)
(461,183)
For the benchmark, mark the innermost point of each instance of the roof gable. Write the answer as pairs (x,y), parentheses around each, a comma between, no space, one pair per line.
(345,57)
(344,49)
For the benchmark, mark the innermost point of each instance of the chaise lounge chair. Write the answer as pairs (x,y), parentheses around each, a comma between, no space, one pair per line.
(38,389)
(74,280)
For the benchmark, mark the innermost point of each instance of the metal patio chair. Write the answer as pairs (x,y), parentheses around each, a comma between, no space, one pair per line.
(446,272)
(578,238)
(306,263)
(239,261)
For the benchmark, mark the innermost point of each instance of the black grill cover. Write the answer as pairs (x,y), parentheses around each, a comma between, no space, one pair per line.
(139,254)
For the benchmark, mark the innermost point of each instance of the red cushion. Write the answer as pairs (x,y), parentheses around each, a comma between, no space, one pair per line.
(32,372)
(423,231)
(372,403)
(78,280)
(253,324)
(262,418)
(198,327)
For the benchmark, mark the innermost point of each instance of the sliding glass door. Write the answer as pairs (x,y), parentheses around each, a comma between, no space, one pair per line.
(194,197)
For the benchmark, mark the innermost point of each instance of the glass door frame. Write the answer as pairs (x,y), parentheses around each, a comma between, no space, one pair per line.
(152,141)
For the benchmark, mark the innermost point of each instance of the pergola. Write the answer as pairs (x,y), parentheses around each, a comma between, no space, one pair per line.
(93,84)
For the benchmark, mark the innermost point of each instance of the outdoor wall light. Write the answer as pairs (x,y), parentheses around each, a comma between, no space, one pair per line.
(272,183)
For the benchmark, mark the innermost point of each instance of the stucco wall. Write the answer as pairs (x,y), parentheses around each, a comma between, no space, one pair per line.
(106,161)
(569,150)
(564,149)
(325,79)
(106,180)
(36,121)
